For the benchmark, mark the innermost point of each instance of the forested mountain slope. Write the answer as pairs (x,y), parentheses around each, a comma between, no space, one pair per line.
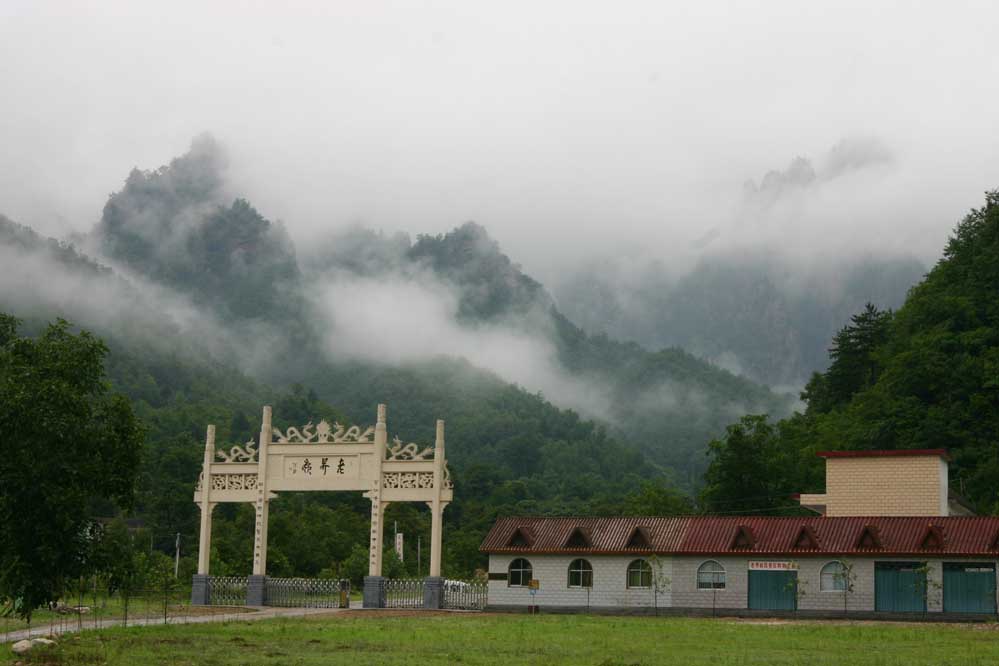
(923,377)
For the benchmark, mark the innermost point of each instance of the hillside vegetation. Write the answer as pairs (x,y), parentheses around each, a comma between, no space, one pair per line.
(923,377)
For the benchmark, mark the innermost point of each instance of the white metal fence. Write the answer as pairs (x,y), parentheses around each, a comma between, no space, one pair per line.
(307,593)
(404,593)
(227,590)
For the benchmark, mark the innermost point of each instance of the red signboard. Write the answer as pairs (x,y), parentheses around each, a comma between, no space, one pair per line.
(766,565)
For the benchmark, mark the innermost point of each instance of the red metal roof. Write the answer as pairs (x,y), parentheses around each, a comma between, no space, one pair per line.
(942,453)
(966,536)
(607,535)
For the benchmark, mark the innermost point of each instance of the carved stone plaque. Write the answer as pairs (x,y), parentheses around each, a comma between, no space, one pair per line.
(318,468)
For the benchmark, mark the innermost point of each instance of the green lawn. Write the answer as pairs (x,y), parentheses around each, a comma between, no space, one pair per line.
(375,638)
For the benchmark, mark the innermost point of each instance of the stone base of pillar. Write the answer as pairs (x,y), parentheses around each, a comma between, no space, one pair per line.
(374,591)
(256,589)
(199,590)
(433,592)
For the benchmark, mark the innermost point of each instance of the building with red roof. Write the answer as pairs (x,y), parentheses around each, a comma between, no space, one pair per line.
(874,559)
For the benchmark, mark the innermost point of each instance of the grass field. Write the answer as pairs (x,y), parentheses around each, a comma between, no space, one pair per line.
(416,639)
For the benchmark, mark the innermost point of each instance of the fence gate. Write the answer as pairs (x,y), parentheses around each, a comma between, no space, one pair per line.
(307,593)
(404,593)
(227,590)
(462,595)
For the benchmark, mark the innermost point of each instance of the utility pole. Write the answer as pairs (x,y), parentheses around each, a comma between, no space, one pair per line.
(176,559)
(419,569)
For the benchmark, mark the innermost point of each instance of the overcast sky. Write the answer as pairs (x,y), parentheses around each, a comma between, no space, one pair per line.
(567,129)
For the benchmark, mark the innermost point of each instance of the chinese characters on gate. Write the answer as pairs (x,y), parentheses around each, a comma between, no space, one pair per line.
(320,466)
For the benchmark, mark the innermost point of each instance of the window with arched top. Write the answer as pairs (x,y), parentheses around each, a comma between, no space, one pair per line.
(520,573)
(710,576)
(832,578)
(639,574)
(580,573)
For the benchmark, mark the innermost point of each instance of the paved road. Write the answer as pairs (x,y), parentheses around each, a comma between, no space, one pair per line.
(70,625)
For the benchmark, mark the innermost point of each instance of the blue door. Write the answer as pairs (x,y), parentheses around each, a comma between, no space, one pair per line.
(900,587)
(773,590)
(969,587)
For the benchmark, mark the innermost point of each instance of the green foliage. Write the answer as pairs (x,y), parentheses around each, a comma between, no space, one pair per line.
(657,499)
(355,567)
(741,476)
(69,445)
(925,378)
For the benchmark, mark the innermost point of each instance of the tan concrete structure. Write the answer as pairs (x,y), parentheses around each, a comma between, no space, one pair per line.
(324,457)
(883,483)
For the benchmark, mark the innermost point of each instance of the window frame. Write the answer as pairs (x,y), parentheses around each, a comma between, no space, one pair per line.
(643,569)
(585,569)
(714,584)
(840,576)
(520,570)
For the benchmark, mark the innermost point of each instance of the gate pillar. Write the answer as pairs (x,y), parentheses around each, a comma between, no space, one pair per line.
(374,592)
(433,592)
(199,590)
(437,506)
(205,537)
(263,500)
(256,590)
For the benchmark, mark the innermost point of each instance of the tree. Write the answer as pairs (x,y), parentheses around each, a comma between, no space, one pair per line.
(854,364)
(68,445)
(745,470)
(657,499)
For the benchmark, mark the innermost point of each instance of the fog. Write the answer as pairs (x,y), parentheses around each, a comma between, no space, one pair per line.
(399,319)
(570,130)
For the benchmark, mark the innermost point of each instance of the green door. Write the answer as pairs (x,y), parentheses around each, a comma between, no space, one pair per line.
(969,587)
(773,590)
(899,587)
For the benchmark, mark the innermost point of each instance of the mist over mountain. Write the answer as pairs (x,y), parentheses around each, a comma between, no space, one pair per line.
(763,316)
(375,304)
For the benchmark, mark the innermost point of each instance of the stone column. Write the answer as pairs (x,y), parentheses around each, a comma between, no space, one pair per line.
(437,506)
(263,502)
(257,583)
(199,585)
(374,582)
(205,539)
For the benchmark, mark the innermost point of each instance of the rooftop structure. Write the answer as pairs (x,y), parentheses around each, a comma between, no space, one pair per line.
(908,482)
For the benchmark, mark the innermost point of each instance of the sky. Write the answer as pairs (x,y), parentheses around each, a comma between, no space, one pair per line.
(568,129)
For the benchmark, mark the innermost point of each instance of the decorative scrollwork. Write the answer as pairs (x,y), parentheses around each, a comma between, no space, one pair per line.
(245,453)
(400,451)
(234,482)
(324,433)
(448,483)
(402,480)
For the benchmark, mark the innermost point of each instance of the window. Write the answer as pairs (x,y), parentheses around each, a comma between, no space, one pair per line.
(711,576)
(639,574)
(833,577)
(580,574)
(520,573)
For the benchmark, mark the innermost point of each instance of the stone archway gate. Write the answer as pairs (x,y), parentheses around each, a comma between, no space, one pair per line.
(324,457)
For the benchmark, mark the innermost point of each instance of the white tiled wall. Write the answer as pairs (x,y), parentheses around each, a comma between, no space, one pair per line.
(679,576)
(552,573)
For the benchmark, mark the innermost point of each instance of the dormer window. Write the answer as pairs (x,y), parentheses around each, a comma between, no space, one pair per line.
(869,539)
(639,539)
(579,538)
(519,539)
(933,539)
(806,539)
(743,539)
